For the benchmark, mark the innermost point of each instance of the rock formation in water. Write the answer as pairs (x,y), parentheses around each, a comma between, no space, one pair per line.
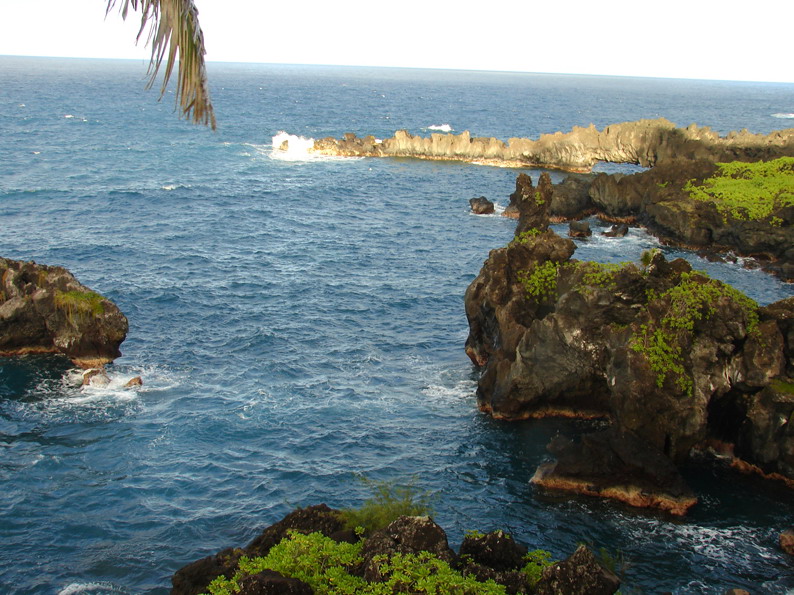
(645,142)
(493,556)
(671,357)
(44,309)
(657,199)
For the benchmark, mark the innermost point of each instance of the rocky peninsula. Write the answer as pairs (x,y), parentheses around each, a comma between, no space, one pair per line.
(644,142)
(44,309)
(673,360)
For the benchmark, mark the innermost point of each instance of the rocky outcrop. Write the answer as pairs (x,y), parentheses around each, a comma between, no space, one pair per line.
(493,556)
(44,309)
(787,541)
(193,578)
(645,142)
(555,336)
(481,206)
(580,574)
(657,199)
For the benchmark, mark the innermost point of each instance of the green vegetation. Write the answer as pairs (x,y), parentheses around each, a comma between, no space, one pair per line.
(663,341)
(536,561)
(389,501)
(542,281)
(782,386)
(525,236)
(598,274)
(539,198)
(325,565)
(79,303)
(748,191)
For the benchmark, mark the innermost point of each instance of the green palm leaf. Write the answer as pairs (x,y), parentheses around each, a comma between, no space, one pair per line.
(173,30)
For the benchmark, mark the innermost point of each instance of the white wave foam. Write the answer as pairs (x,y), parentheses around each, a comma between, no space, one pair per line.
(169,187)
(441,127)
(290,147)
(95,588)
(68,116)
(783,115)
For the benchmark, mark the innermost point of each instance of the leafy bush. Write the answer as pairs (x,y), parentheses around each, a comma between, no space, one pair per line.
(748,191)
(536,561)
(389,501)
(662,341)
(541,282)
(325,565)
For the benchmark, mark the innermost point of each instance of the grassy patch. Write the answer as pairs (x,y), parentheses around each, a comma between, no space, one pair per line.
(748,191)
(388,502)
(80,303)
(525,236)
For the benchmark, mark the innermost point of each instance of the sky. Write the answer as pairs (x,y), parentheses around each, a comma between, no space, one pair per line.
(708,39)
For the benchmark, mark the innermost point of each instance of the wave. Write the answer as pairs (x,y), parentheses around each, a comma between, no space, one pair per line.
(441,127)
(290,147)
(783,115)
(95,588)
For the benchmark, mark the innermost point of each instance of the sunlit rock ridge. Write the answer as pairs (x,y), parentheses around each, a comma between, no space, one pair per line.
(644,142)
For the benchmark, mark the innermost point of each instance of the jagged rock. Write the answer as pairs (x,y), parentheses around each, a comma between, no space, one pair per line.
(481,206)
(44,309)
(571,198)
(497,550)
(133,382)
(270,582)
(193,578)
(554,336)
(618,231)
(618,465)
(644,142)
(579,229)
(406,535)
(787,541)
(95,377)
(580,574)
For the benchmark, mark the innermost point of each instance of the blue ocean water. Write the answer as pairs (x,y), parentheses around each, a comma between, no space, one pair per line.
(300,322)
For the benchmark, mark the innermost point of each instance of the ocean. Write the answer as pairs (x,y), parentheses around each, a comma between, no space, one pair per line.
(298,322)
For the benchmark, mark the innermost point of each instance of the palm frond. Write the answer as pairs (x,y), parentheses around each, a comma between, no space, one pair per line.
(175,36)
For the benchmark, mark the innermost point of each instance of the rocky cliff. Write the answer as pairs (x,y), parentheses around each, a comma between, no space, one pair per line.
(44,309)
(645,142)
(672,358)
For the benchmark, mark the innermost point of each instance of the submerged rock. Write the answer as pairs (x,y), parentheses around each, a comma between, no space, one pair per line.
(44,309)
(579,229)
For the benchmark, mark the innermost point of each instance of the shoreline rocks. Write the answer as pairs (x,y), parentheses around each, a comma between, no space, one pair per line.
(44,309)
(644,142)
(556,336)
(492,556)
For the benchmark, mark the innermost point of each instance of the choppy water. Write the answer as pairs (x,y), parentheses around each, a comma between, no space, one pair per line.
(298,322)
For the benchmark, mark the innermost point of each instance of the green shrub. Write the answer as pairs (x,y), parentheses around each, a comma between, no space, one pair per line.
(541,282)
(525,236)
(748,191)
(389,501)
(425,573)
(315,559)
(662,341)
(536,561)
(325,565)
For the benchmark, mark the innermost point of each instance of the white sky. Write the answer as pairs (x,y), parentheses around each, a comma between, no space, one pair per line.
(713,39)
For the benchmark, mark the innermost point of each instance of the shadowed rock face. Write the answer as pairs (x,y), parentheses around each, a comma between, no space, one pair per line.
(44,309)
(645,142)
(670,356)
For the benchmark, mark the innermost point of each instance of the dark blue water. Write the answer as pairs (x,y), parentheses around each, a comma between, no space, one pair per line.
(297,323)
